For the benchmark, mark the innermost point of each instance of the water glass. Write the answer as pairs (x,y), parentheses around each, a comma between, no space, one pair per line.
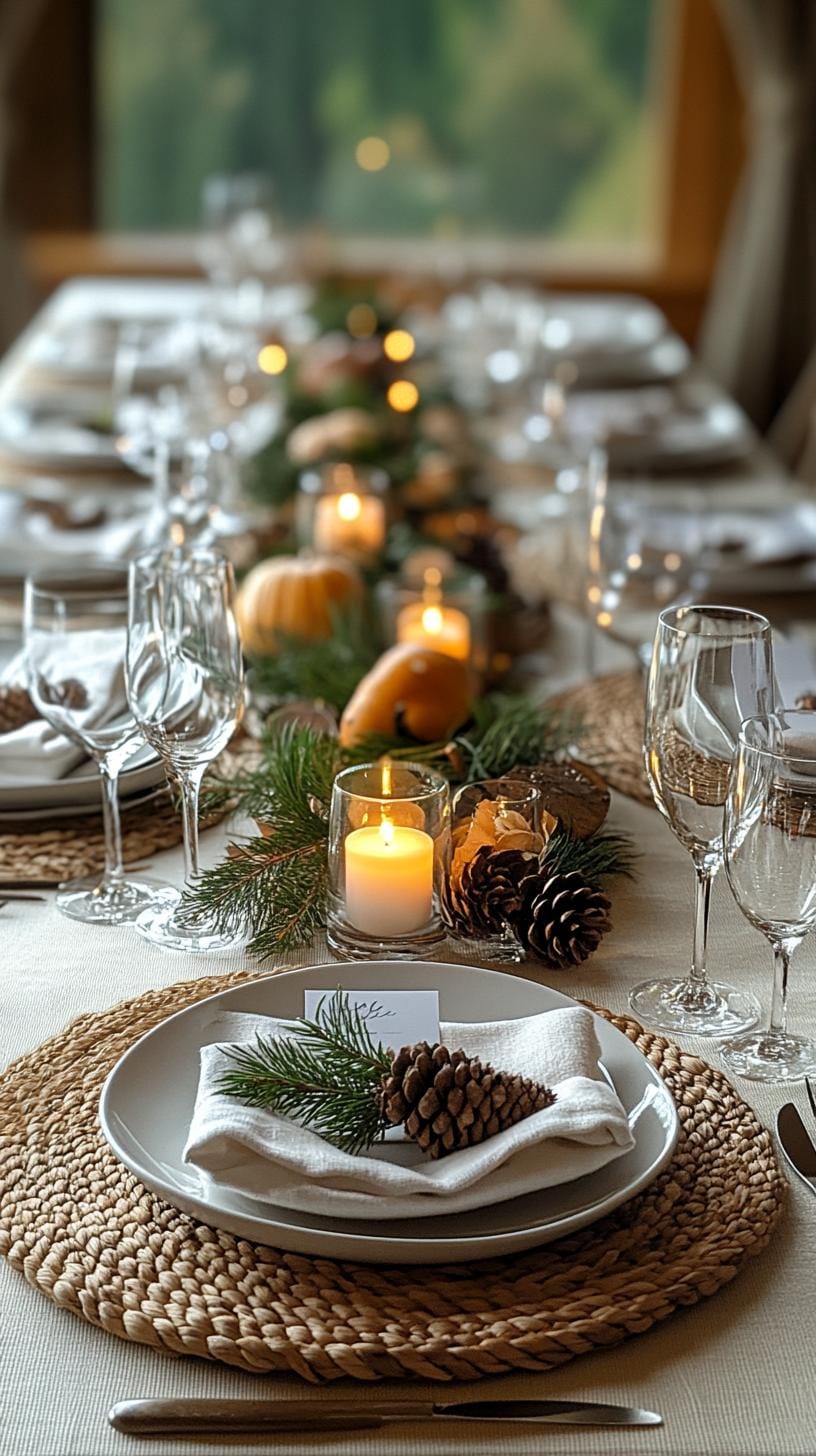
(75,630)
(185,688)
(711,668)
(770,862)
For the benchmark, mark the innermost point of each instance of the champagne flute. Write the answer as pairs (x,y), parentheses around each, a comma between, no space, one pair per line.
(75,630)
(184,676)
(770,862)
(711,668)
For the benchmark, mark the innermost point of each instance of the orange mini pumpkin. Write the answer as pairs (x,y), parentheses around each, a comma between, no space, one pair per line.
(295,595)
(410,689)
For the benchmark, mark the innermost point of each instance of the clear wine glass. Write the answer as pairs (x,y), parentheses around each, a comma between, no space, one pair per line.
(770,862)
(184,675)
(75,632)
(711,668)
(644,555)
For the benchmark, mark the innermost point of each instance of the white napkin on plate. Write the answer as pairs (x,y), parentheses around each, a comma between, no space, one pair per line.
(37,753)
(264,1156)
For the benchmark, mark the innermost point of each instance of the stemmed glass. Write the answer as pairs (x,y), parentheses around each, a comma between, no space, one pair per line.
(711,668)
(184,675)
(770,861)
(75,630)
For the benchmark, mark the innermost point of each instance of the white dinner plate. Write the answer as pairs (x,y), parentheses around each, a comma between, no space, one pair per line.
(65,430)
(82,788)
(148,1098)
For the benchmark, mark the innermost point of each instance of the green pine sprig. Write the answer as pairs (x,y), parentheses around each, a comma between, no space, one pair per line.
(327,670)
(598,858)
(324,1073)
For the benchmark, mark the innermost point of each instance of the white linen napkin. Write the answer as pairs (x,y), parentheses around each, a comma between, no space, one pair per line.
(272,1158)
(36,752)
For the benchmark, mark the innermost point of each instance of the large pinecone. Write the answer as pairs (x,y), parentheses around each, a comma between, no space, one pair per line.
(448,1100)
(16,708)
(489,895)
(563,919)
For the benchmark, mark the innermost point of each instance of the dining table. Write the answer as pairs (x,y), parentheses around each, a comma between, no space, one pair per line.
(731,1375)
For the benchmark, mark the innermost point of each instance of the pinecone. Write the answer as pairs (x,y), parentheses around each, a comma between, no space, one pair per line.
(16,708)
(448,1100)
(489,895)
(563,918)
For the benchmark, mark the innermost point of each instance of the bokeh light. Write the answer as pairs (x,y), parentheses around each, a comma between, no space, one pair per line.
(361,321)
(399,345)
(403,396)
(373,153)
(272,359)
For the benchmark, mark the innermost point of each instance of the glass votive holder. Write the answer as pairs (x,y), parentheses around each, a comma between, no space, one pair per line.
(445,613)
(497,817)
(341,511)
(389,850)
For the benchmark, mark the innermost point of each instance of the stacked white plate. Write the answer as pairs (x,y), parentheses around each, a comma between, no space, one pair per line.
(80,792)
(147,1103)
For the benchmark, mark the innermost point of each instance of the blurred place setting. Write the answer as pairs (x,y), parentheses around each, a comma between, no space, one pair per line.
(408,722)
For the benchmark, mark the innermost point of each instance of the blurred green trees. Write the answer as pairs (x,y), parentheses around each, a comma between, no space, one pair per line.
(518,116)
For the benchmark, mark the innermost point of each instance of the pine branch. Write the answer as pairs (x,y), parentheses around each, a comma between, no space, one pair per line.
(275,884)
(598,858)
(323,1072)
(321,671)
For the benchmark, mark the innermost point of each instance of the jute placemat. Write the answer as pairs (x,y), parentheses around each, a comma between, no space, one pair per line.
(84,1231)
(611,710)
(69,849)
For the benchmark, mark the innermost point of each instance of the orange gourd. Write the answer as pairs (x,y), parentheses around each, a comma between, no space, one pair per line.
(412,689)
(295,595)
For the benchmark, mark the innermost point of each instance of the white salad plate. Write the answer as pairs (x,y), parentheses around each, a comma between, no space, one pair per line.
(59,431)
(148,1098)
(81,789)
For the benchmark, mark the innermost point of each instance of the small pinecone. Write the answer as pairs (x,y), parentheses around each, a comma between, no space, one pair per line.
(16,709)
(489,895)
(563,919)
(448,1100)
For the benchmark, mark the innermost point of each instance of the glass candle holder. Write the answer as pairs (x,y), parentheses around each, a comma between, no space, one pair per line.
(447,614)
(341,511)
(389,850)
(495,815)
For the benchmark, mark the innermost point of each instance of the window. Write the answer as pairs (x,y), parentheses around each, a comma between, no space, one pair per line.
(421,118)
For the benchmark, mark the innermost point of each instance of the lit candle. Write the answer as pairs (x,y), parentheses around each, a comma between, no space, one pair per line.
(389,879)
(349,524)
(433,624)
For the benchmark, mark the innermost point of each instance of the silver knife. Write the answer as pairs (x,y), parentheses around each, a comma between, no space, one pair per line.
(797,1144)
(239,1417)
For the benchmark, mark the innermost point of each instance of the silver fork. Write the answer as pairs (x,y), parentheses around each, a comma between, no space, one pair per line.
(810,1083)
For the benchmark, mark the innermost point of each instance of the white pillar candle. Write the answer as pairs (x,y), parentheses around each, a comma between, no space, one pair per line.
(349,524)
(434,625)
(389,879)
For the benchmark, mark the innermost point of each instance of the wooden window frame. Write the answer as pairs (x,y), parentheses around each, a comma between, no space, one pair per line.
(704,120)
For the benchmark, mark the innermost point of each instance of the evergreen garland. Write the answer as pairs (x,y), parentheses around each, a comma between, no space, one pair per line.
(275,884)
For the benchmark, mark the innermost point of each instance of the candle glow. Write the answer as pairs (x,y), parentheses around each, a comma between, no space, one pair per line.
(349,524)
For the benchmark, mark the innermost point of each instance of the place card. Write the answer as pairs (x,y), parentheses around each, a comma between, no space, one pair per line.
(396,1018)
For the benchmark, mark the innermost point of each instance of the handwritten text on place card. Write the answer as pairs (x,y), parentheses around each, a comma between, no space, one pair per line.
(396,1018)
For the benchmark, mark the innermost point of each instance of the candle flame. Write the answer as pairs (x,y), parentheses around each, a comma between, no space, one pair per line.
(349,506)
(386,832)
(432,621)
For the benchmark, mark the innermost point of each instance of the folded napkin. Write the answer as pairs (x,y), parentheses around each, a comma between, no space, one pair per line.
(272,1158)
(37,752)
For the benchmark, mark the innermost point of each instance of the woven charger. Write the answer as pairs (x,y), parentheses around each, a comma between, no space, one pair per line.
(611,709)
(84,1231)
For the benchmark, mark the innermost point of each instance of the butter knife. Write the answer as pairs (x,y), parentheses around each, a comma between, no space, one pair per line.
(797,1144)
(240,1417)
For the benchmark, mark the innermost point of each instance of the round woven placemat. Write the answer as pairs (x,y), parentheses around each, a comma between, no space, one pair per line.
(82,1229)
(71,848)
(611,710)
